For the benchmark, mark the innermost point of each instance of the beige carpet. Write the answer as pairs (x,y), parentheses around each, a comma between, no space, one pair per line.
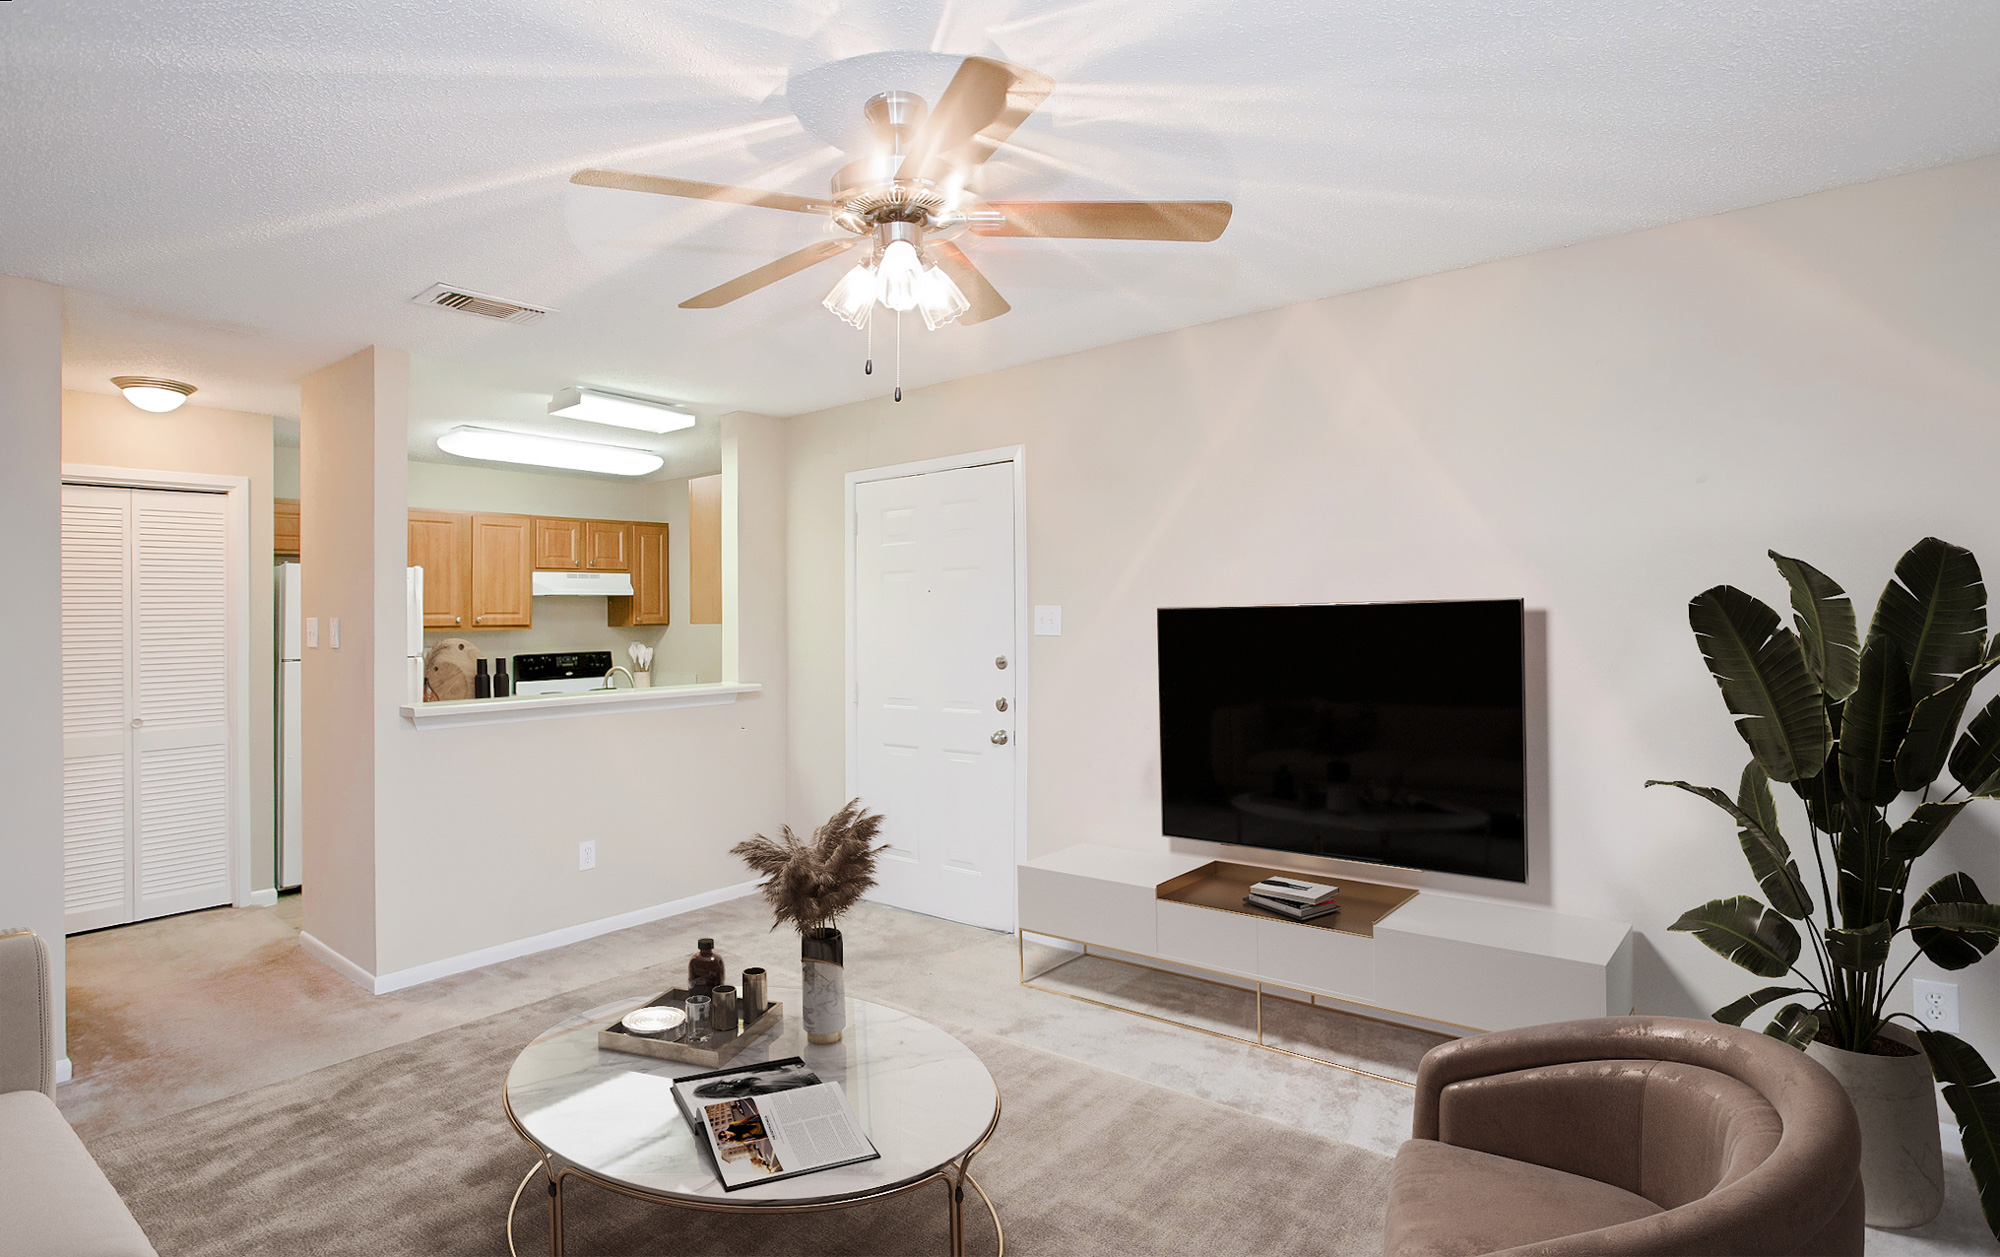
(406,1151)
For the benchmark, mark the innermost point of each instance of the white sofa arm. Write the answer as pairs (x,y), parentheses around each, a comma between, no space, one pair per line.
(27,1048)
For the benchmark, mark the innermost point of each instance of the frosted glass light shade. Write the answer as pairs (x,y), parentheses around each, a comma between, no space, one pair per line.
(939,299)
(548,451)
(898,272)
(853,298)
(151,393)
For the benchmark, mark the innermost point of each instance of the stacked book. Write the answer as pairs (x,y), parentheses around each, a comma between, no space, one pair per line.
(1293,899)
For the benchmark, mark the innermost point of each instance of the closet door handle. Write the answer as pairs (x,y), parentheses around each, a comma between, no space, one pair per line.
(138,723)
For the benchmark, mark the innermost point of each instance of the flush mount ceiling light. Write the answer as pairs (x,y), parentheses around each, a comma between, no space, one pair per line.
(150,393)
(548,451)
(597,406)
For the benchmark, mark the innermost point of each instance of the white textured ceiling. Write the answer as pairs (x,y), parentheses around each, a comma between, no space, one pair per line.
(241,192)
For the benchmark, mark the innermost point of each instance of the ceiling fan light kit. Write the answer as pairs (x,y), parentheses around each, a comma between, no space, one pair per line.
(907,201)
(151,393)
(598,406)
(492,446)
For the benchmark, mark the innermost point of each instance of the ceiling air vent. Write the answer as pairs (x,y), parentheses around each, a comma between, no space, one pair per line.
(478,303)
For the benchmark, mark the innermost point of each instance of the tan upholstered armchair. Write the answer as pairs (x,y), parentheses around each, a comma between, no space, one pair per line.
(1626,1135)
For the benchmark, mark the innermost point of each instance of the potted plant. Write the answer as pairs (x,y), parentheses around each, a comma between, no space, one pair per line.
(811,883)
(1861,729)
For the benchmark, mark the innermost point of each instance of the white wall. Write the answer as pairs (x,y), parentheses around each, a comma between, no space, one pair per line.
(105,430)
(31,847)
(1603,430)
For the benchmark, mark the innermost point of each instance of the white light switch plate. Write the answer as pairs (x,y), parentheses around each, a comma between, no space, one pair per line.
(1048,621)
(586,854)
(312,631)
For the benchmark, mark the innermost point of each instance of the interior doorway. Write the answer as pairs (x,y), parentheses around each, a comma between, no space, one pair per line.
(154,679)
(936,586)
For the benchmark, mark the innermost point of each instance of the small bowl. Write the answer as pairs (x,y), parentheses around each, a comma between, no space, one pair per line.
(656,1022)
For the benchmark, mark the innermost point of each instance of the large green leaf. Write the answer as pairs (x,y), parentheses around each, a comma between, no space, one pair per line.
(1933,724)
(1870,881)
(1762,672)
(1861,949)
(1745,932)
(1793,1025)
(1826,806)
(1825,618)
(1914,836)
(1765,849)
(1954,924)
(1974,1097)
(1733,1013)
(1873,723)
(1976,758)
(1935,608)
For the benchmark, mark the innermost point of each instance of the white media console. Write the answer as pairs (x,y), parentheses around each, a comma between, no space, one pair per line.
(1470,963)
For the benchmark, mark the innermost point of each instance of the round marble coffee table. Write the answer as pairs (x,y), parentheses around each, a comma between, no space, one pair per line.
(922,1097)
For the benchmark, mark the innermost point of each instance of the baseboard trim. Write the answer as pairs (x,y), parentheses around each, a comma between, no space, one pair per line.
(266,898)
(63,1071)
(417,975)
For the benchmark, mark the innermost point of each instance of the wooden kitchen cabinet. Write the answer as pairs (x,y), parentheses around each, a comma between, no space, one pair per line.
(558,544)
(441,544)
(503,571)
(648,603)
(705,550)
(285,526)
(606,545)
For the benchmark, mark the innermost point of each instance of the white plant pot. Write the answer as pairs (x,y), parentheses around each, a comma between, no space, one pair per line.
(1902,1156)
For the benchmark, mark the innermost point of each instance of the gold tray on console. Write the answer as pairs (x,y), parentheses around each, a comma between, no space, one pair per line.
(715,1053)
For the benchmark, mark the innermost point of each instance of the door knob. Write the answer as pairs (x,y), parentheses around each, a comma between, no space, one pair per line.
(999,704)
(1000,662)
(1000,737)
(138,723)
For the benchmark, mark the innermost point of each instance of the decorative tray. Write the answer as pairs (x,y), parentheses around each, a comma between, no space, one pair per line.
(714,1053)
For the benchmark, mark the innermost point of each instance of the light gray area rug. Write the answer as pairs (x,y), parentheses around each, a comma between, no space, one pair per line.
(407,1150)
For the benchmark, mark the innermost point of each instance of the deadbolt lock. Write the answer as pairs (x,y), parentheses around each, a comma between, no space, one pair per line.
(1000,737)
(999,704)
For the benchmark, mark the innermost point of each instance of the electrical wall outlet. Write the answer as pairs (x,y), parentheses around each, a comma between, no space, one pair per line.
(586,854)
(1048,621)
(1937,1004)
(312,631)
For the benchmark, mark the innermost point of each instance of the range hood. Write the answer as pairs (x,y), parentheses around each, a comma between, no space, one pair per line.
(583,584)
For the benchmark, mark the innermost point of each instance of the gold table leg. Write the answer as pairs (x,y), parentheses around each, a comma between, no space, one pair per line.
(555,1215)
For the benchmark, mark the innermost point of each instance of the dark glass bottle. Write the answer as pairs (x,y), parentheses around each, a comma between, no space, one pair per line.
(503,685)
(482,685)
(705,971)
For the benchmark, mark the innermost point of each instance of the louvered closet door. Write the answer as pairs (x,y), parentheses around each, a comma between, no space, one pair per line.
(145,681)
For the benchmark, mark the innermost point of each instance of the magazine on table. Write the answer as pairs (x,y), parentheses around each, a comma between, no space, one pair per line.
(776,1120)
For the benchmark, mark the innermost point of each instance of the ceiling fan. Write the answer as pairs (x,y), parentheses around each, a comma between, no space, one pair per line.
(908,201)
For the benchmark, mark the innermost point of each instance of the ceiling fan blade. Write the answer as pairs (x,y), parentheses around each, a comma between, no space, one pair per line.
(769,273)
(980,108)
(696,190)
(1107,220)
(987,303)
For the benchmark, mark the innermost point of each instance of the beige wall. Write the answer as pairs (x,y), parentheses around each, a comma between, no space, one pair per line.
(479,825)
(1602,430)
(105,430)
(31,844)
(354,421)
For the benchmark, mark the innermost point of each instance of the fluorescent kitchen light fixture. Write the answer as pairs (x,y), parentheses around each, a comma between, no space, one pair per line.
(595,406)
(548,451)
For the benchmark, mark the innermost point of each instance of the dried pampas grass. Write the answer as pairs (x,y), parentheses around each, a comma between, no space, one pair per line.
(811,883)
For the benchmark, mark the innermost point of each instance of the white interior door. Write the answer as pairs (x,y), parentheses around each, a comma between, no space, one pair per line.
(146,746)
(935,700)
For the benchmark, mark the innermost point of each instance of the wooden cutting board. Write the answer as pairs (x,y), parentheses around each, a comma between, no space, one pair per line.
(448,669)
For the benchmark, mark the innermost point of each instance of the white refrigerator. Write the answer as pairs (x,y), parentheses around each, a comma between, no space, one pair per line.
(291,756)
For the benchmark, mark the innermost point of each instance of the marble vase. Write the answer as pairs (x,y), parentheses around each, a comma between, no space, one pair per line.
(825,984)
(1902,1156)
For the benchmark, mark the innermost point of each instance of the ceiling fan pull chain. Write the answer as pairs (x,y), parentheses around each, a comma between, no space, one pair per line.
(868,364)
(899,355)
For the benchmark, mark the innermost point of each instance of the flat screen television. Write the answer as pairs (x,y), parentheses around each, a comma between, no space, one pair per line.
(1389,733)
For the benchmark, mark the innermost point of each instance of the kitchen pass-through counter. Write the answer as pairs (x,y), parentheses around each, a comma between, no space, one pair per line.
(544,706)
